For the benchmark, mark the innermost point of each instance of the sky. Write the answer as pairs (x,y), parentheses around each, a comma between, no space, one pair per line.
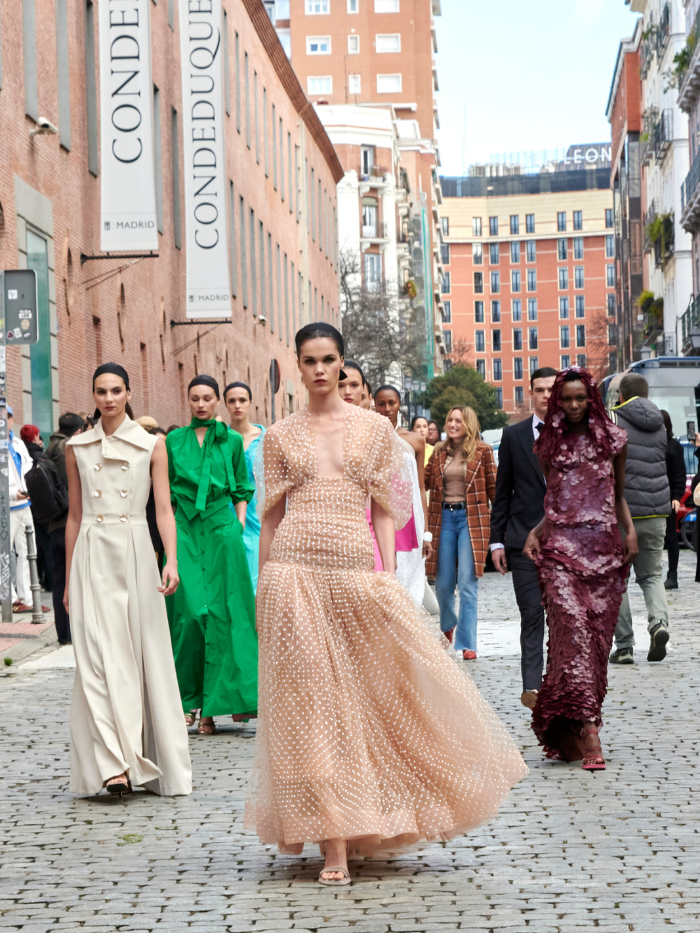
(522,75)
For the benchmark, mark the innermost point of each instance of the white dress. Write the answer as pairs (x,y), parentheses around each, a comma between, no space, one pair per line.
(126,713)
(410,566)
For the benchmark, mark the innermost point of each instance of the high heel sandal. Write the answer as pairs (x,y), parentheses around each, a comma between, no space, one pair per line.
(593,752)
(206,728)
(118,788)
(334,882)
(190,718)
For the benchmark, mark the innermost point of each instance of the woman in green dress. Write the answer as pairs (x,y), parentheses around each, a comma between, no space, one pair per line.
(212,614)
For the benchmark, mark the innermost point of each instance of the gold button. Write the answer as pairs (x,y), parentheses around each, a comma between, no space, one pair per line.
(98,466)
(97,493)
(99,518)
(123,493)
(123,518)
(125,466)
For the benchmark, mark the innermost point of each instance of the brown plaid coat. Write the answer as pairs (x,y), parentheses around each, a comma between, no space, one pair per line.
(481,490)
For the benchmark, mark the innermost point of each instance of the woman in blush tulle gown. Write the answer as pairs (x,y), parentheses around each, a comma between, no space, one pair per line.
(370,737)
(582,564)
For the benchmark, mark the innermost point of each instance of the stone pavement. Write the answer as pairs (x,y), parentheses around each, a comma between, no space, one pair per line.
(570,851)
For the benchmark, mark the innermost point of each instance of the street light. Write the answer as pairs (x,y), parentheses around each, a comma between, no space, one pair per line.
(694,336)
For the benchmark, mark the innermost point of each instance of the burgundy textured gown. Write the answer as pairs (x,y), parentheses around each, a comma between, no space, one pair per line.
(583,579)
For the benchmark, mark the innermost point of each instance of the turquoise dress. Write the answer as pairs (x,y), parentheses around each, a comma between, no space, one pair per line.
(251,532)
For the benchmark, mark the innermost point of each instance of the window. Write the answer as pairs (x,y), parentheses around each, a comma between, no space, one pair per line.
(515,280)
(495,281)
(499,398)
(388,84)
(578,220)
(578,277)
(479,312)
(532,280)
(609,217)
(445,226)
(610,276)
(562,250)
(610,246)
(564,337)
(496,341)
(493,226)
(529,223)
(319,45)
(90,87)
(578,247)
(517,309)
(532,338)
(534,364)
(476,226)
(63,73)
(257,117)
(581,360)
(481,367)
(514,224)
(353,45)
(497,370)
(158,158)
(445,253)
(517,367)
(282,163)
(369,218)
(580,306)
(353,6)
(515,251)
(532,309)
(314,7)
(246,74)
(611,305)
(612,334)
(319,84)
(388,43)
(366,160)
(447,312)
(285,37)
(563,278)
(565,361)
(479,341)
(530,251)
(478,283)
(564,308)
(494,254)
(386,6)
(561,220)
(517,338)
(477,254)
(519,397)
(354,84)
(495,311)
(580,335)
(274,151)
(446,286)
(175,168)
(448,341)
(373,271)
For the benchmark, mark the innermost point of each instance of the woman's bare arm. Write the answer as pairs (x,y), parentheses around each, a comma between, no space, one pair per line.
(75,514)
(385,533)
(241,509)
(164,516)
(267,531)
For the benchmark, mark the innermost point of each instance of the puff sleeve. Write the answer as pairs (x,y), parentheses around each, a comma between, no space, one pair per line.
(390,479)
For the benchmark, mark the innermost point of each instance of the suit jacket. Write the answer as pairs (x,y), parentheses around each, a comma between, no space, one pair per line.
(480,490)
(520,488)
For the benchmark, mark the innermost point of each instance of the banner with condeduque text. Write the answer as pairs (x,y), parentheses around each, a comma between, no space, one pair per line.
(128,205)
(208,287)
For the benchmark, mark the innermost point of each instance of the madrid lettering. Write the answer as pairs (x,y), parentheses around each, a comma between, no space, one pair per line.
(125,72)
(204,43)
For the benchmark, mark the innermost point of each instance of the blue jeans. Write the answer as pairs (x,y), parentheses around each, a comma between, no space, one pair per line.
(456,566)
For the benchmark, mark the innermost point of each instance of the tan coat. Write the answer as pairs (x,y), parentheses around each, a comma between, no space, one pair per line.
(481,490)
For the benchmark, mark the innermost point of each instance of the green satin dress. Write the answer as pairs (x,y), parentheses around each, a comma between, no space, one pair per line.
(212,613)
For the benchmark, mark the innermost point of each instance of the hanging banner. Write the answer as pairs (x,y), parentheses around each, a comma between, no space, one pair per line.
(128,210)
(201,49)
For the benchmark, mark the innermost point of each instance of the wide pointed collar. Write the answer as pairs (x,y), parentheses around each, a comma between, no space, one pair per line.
(116,446)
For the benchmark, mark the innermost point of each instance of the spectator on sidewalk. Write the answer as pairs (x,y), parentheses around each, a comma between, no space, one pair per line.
(675,468)
(34,443)
(69,425)
(20,518)
(648,496)
(517,508)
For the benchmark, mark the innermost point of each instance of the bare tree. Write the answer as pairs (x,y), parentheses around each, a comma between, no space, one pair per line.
(383,332)
(598,346)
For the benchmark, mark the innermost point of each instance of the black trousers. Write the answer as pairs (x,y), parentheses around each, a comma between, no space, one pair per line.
(58,541)
(528,595)
(672,545)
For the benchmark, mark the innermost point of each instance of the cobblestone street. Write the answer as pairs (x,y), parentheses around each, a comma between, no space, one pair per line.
(571,851)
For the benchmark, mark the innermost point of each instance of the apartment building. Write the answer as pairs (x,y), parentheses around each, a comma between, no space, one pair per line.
(530,276)
(281,173)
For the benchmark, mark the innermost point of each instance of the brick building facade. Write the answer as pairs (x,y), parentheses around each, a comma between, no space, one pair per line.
(118,309)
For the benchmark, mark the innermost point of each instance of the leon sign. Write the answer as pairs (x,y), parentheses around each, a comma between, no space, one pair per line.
(128,210)
(201,48)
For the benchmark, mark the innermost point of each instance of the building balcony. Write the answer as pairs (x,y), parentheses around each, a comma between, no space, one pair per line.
(374,233)
(649,218)
(690,198)
(690,327)
(664,241)
(657,136)
(687,70)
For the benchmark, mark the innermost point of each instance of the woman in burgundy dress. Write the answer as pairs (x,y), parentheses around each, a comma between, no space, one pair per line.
(582,564)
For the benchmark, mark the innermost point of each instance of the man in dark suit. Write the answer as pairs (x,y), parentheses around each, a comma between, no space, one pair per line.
(517,508)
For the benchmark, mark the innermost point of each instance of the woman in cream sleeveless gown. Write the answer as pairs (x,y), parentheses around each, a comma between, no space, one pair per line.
(369,734)
(126,716)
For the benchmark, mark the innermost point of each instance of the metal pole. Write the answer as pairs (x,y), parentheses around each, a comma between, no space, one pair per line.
(35,586)
(5,532)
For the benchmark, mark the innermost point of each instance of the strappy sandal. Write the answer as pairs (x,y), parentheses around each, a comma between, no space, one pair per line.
(337,869)
(118,788)
(593,752)
(206,728)
(190,718)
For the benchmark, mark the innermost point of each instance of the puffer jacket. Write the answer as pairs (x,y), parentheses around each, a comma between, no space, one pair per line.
(647,490)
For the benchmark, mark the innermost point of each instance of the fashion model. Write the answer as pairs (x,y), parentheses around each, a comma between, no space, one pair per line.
(370,737)
(125,721)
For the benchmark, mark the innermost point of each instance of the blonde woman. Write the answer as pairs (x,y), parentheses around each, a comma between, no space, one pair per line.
(461,479)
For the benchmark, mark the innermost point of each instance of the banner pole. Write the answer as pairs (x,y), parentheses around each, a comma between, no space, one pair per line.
(5,532)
